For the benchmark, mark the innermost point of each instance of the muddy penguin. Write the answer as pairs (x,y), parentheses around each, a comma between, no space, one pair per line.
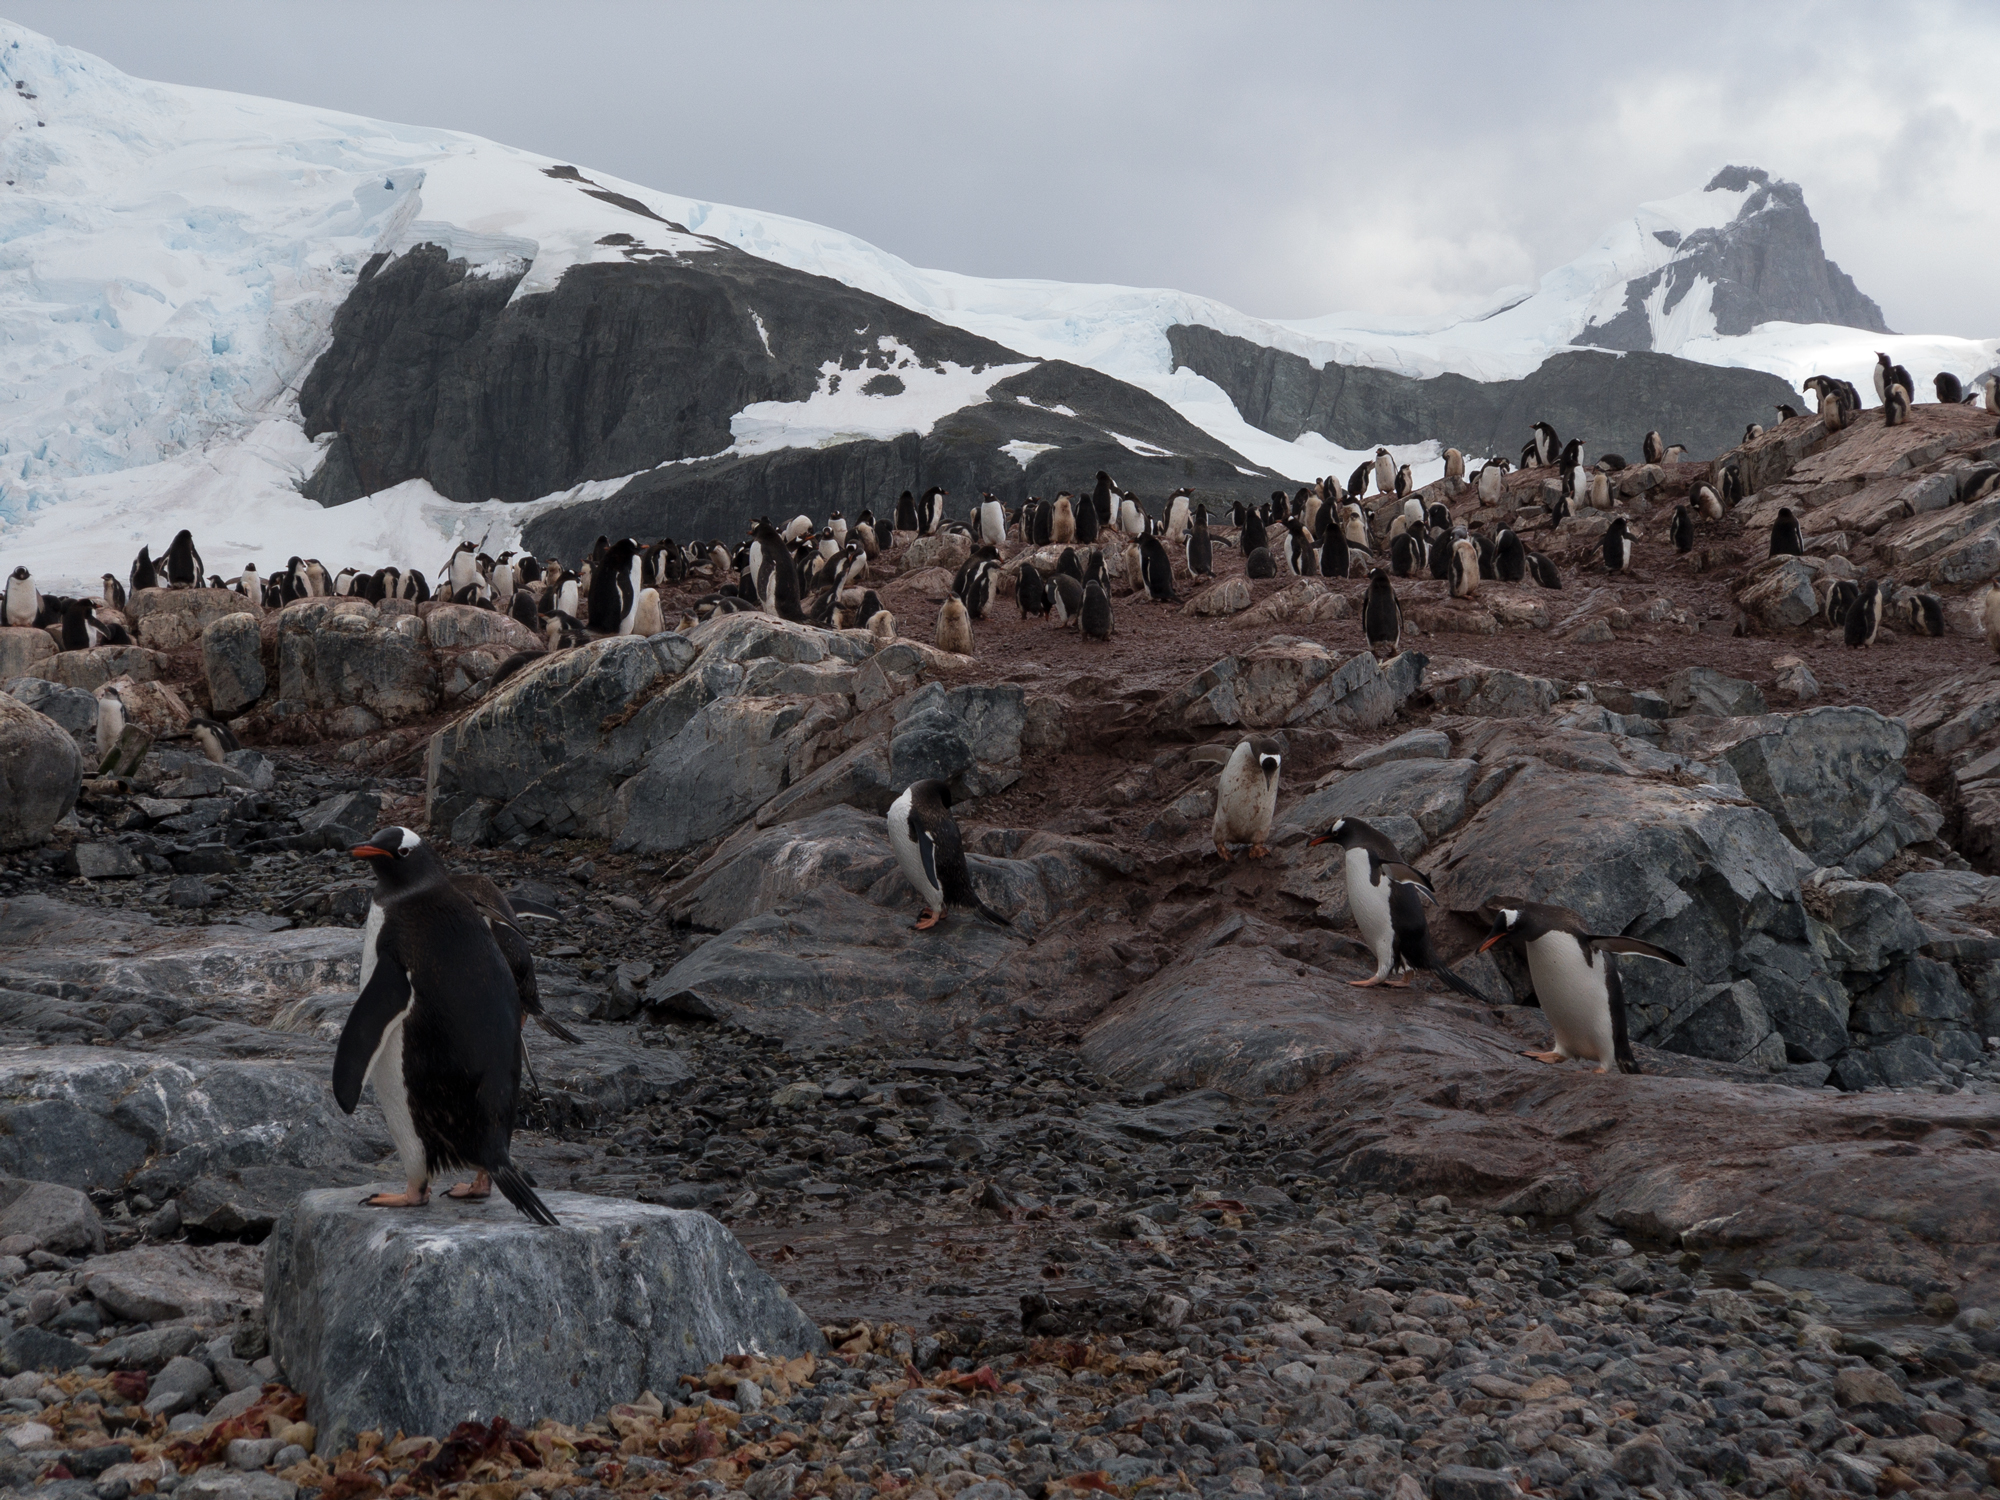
(931,854)
(954,628)
(1576,980)
(1464,570)
(23,600)
(435,1028)
(1246,794)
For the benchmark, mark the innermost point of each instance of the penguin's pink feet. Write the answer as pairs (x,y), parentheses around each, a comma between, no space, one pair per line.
(928,920)
(417,1195)
(1258,851)
(1362,984)
(1396,984)
(1545,1057)
(1227,857)
(476,1191)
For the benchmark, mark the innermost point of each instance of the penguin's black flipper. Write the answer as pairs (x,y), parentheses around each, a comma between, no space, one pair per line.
(515,1188)
(387,996)
(1634,945)
(1409,875)
(1469,990)
(526,906)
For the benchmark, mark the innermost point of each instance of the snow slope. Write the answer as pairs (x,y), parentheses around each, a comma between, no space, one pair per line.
(170,260)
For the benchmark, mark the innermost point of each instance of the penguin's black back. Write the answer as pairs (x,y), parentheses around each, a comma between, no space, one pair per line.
(1863,616)
(1029,591)
(1259,564)
(1683,530)
(1200,557)
(1510,558)
(1333,561)
(1254,534)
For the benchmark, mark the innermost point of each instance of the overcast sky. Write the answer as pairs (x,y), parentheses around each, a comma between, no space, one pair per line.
(1290,160)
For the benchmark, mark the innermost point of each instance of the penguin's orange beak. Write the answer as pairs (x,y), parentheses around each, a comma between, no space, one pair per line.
(368,851)
(1317,839)
(1491,940)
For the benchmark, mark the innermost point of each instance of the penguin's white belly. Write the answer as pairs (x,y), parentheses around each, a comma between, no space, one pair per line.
(1244,805)
(1574,997)
(1370,905)
(911,858)
(385,1072)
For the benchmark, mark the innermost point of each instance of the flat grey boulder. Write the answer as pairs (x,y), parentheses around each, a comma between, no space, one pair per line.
(421,1319)
(333,653)
(40,774)
(55,1217)
(232,659)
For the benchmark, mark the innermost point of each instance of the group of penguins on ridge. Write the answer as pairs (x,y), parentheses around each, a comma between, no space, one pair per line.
(448,977)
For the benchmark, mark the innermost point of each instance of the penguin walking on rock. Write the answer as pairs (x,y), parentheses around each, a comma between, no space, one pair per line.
(1786,540)
(931,854)
(1246,794)
(1381,615)
(1576,980)
(1387,898)
(436,1028)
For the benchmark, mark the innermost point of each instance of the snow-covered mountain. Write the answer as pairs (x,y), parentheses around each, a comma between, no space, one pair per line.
(238,314)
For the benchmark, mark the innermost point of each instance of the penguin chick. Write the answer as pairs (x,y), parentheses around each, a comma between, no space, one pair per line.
(932,854)
(435,1028)
(1617,546)
(882,625)
(1575,979)
(1464,570)
(216,740)
(1246,794)
(954,628)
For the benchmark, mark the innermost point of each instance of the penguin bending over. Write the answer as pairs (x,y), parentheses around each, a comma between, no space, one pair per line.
(1576,980)
(1510,558)
(1950,389)
(435,1028)
(1840,597)
(1065,597)
(1926,614)
(932,854)
(1246,794)
(1543,571)
(1387,899)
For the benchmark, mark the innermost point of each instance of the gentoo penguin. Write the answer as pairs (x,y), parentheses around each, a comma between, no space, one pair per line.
(865,533)
(1895,407)
(1088,527)
(1785,538)
(974,582)
(1682,530)
(1543,571)
(932,854)
(1545,443)
(1575,979)
(1989,617)
(954,628)
(1510,558)
(1464,570)
(1888,374)
(1381,615)
(1404,482)
(1258,563)
(906,512)
(1030,592)
(1926,614)
(343,583)
(1864,616)
(609,604)
(436,1028)
(77,625)
(216,740)
(1840,597)
(184,569)
(144,574)
(113,593)
(796,529)
(992,527)
(1065,598)
(1786,412)
(1131,517)
(1617,546)
(1179,514)
(1246,794)
(1385,472)
(1413,509)
(1068,562)
(1653,448)
(647,618)
(1406,551)
(110,720)
(1754,430)
(1200,553)
(1062,528)
(23,599)
(836,527)
(1600,489)
(1253,534)
(1708,501)
(1157,569)
(1300,555)
(930,510)
(1102,493)
(522,607)
(1096,613)
(1440,556)
(774,577)
(1387,899)
(1333,559)
(1492,480)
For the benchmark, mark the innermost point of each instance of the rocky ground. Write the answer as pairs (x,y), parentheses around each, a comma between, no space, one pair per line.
(1155,1201)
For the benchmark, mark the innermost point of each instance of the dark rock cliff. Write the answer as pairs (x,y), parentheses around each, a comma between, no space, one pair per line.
(1611,401)
(1766,265)
(435,373)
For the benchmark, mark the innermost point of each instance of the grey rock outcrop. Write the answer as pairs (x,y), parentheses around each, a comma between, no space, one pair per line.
(167,619)
(55,1217)
(71,708)
(1289,680)
(21,647)
(388,1322)
(40,773)
(232,660)
(333,653)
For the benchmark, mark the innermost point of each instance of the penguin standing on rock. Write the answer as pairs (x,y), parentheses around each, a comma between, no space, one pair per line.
(1246,794)
(144,574)
(1387,898)
(1576,980)
(1617,547)
(110,720)
(1381,615)
(906,512)
(932,854)
(184,569)
(216,740)
(23,600)
(1785,538)
(435,1029)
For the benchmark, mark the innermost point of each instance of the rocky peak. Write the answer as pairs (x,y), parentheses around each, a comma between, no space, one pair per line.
(1765,265)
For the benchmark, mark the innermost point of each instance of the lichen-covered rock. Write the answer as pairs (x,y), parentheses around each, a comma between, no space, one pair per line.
(450,626)
(1703,690)
(421,1320)
(337,652)
(1779,595)
(21,647)
(167,619)
(1231,596)
(40,775)
(90,670)
(1290,680)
